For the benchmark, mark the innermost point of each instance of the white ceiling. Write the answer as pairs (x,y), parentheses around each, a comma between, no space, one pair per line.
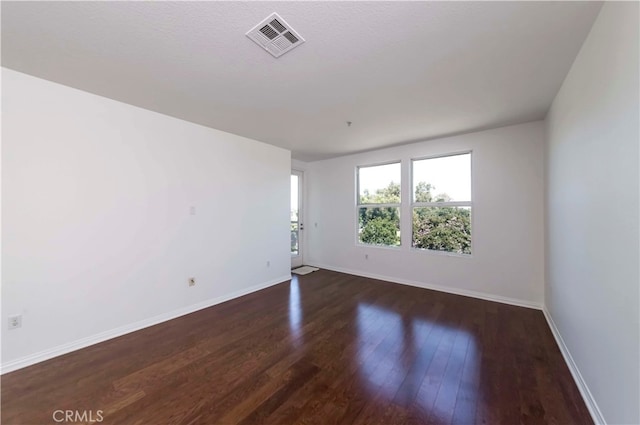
(400,71)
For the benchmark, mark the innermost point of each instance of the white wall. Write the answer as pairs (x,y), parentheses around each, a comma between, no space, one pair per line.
(592,213)
(98,236)
(508,228)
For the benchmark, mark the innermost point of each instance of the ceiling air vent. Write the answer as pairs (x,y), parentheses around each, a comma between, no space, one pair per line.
(275,36)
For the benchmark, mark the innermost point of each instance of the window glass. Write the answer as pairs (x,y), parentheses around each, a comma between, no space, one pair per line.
(442,179)
(379,185)
(441,207)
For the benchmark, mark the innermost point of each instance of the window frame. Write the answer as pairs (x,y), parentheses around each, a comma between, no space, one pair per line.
(385,205)
(413,204)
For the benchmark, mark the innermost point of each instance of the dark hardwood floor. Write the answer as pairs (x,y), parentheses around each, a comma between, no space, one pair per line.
(325,348)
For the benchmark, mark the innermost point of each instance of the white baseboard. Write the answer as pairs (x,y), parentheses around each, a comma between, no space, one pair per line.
(456,291)
(594,410)
(122,330)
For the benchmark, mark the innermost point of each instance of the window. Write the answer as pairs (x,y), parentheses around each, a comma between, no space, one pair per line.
(379,204)
(441,204)
(295,205)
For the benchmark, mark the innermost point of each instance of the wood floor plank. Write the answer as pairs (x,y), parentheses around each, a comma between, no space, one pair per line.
(324,348)
(467,399)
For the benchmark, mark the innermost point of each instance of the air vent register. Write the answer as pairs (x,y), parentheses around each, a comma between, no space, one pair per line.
(275,36)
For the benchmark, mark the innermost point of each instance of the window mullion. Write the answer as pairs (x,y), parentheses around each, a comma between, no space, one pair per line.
(379,205)
(441,204)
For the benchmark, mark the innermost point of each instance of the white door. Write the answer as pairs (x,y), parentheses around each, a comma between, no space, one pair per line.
(297,225)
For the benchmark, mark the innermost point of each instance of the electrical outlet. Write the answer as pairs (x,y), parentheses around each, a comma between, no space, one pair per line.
(15,322)
(192,281)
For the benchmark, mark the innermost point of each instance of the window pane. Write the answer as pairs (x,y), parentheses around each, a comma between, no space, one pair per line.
(379,184)
(294,238)
(442,229)
(442,179)
(294,197)
(379,226)
(295,226)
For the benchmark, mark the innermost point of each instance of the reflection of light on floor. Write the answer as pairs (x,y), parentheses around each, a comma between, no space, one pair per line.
(380,335)
(418,364)
(295,312)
